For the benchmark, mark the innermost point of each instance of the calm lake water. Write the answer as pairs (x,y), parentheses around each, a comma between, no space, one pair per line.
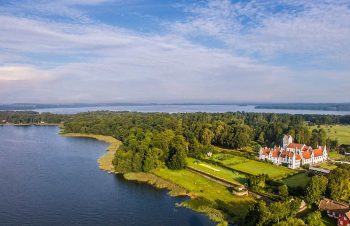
(46,179)
(186,108)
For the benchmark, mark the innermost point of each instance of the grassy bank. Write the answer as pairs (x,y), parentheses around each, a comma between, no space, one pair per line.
(158,182)
(206,196)
(105,162)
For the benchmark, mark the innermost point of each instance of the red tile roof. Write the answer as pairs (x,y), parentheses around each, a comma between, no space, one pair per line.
(305,148)
(330,205)
(317,152)
(306,154)
(295,146)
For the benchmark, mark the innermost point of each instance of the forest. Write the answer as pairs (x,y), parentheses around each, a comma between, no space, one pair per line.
(151,140)
(154,139)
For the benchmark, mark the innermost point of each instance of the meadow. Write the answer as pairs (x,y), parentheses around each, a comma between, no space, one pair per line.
(217,171)
(341,132)
(298,180)
(207,196)
(252,167)
(228,159)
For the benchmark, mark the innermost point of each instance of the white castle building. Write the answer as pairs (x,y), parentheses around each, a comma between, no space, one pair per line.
(294,155)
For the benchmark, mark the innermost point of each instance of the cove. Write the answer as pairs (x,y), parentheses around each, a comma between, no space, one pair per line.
(47,179)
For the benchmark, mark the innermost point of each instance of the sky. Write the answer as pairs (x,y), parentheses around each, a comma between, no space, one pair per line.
(164,51)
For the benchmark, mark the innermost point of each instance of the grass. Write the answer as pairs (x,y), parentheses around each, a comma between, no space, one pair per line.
(105,162)
(208,197)
(341,132)
(228,159)
(301,179)
(255,168)
(217,171)
(327,165)
(335,155)
(149,178)
(252,167)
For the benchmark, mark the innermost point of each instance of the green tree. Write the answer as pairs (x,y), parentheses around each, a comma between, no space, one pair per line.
(292,221)
(178,153)
(315,189)
(339,183)
(283,190)
(207,136)
(314,219)
(258,214)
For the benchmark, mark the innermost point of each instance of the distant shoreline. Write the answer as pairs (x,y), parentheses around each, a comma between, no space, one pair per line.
(273,106)
(30,124)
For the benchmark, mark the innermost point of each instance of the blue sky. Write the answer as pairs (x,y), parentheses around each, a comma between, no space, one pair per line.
(174,51)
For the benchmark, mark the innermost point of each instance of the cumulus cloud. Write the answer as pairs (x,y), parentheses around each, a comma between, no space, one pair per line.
(64,61)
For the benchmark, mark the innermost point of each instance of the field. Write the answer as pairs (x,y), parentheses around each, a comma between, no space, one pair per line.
(208,195)
(217,171)
(228,159)
(327,165)
(341,132)
(255,168)
(252,166)
(300,179)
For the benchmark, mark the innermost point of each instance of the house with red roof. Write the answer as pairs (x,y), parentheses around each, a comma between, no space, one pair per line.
(344,220)
(293,154)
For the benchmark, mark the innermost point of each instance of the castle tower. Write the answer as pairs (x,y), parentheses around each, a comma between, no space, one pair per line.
(287,139)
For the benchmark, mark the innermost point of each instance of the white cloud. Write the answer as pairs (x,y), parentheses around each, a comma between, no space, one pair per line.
(256,27)
(95,62)
(23,73)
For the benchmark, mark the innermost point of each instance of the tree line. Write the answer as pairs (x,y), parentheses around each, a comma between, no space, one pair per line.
(153,139)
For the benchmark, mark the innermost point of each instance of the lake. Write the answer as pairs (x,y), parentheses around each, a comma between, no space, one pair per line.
(183,108)
(47,179)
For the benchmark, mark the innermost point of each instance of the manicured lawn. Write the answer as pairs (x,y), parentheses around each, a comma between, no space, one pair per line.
(217,171)
(203,188)
(341,132)
(301,179)
(327,165)
(255,168)
(335,155)
(228,159)
(251,166)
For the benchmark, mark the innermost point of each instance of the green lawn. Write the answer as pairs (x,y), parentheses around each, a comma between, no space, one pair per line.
(301,180)
(201,188)
(341,132)
(217,171)
(251,166)
(255,168)
(327,165)
(335,155)
(228,159)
